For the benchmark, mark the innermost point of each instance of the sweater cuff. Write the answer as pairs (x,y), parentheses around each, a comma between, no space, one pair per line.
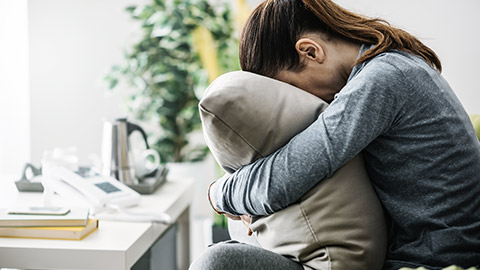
(216,195)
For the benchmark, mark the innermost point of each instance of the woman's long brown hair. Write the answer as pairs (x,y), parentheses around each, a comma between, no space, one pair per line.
(267,43)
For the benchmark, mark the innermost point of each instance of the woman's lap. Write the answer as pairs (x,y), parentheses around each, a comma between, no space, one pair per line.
(235,255)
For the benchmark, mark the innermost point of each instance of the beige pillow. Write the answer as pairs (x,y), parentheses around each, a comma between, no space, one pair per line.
(339,224)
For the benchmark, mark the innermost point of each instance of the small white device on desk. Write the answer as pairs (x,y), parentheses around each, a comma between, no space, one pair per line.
(98,192)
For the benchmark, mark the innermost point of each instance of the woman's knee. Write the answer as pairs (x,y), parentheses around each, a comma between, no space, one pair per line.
(224,255)
(234,255)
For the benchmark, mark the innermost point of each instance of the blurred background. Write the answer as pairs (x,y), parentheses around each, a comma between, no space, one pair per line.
(67,65)
(54,55)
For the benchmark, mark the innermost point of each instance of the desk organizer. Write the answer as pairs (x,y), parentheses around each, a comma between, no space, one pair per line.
(150,184)
(29,186)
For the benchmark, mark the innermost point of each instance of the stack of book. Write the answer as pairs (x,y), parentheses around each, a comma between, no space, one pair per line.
(72,225)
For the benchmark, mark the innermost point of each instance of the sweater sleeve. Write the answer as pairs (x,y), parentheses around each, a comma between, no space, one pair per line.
(360,112)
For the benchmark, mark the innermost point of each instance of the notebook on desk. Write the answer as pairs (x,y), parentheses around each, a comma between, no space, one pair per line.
(75,217)
(62,233)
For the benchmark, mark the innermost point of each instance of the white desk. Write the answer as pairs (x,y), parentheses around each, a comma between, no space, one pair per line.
(115,245)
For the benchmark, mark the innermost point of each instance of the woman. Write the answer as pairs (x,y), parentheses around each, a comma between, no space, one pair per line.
(388,100)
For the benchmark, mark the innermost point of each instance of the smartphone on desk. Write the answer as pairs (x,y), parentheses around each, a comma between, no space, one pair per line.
(38,210)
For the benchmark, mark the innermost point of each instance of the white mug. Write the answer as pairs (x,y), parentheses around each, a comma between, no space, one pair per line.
(146,162)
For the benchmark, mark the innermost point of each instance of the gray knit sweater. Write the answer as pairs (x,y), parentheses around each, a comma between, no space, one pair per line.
(421,153)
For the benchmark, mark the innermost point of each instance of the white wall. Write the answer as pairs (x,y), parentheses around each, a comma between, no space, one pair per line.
(73,44)
(14,94)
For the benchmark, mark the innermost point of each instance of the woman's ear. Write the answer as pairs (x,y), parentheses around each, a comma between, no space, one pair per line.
(309,49)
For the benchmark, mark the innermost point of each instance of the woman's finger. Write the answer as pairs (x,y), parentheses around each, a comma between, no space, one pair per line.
(231,216)
(247,220)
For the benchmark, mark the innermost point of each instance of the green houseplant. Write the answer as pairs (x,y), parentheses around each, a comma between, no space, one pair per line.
(185,44)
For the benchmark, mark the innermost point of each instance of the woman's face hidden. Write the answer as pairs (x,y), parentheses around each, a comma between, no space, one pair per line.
(310,81)
(326,66)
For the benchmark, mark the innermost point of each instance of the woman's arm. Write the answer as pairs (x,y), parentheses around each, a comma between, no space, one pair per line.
(363,110)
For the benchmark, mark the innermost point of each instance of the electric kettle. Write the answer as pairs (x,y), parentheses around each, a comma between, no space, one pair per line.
(117,158)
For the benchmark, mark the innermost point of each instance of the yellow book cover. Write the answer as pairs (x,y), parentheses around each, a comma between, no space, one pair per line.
(62,233)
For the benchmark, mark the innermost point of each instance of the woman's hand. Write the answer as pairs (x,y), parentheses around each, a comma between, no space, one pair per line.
(231,216)
(246,219)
